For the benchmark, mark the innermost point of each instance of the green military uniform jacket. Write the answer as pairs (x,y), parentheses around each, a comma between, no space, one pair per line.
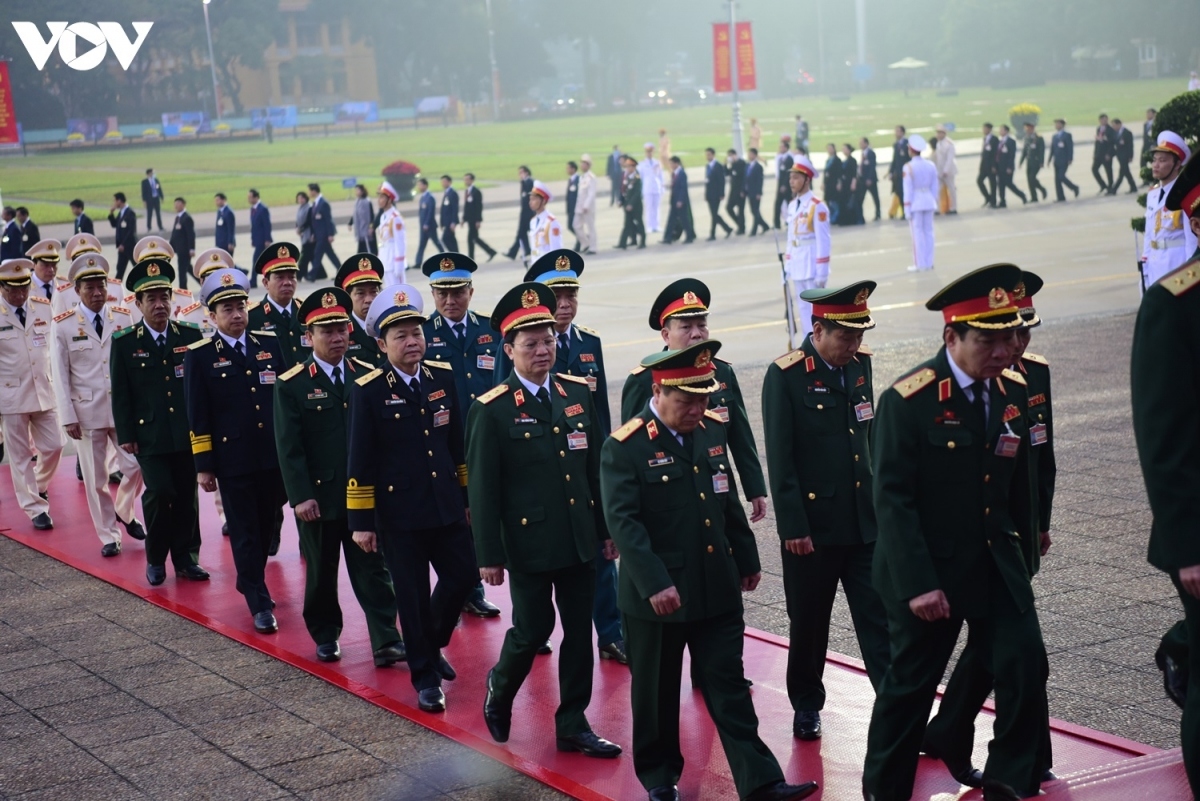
(1166,379)
(946,502)
(726,404)
(534,476)
(676,518)
(310,434)
(364,346)
(1036,370)
(149,406)
(816,425)
(290,333)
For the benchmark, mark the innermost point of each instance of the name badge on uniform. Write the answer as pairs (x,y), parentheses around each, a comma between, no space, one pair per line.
(181,349)
(355,346)
(1039,434)
(720,482)
(437,343)
(524,419)
(661,459)
(441,417)
(305,340)
(864,412)
(1008,445)
(222,364)
(722,412)
(320,394)
(179,371)
(577,441)
(79,339)
(393,401)
(266,377)
(818,388)
(485,362)
(39,340)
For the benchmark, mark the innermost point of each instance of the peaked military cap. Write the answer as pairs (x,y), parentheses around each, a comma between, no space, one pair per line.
(560,267)
(361,268)
(687,297)
(152,247)
(1029,285)
(1185,194)
(46,250)
(690,369)
(981,299)
(209,260)
(326,306)
(846,306)
(395,303)
(89,265)
(224,284)
(527,305)
(150,273)
(79,244)
(16,272)
(449,270)
(277,257)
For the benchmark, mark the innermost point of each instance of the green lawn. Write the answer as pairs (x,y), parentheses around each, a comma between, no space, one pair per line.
(47,181)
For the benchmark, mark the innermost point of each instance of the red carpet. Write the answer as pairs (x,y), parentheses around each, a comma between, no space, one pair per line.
(1093,766)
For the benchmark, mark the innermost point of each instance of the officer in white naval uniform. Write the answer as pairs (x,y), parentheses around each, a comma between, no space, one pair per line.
(1169,241)
(920,202)
(83,389)
(393,247)
(651,172)
(545,232)
(808,246)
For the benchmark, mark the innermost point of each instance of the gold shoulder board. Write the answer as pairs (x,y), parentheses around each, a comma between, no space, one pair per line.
(199,343)
(1177,283)
(863,350)
(263,333)
(914,383)
(63,316)
(624,432)
(1036,359)
(371,376)
(295,368)
(361,363)
(39,299)
(637,370)
(572,378)
(443,365)
(492,394)
(711,415)
(587,330)
(254,305)
(790,359)
(1014,376)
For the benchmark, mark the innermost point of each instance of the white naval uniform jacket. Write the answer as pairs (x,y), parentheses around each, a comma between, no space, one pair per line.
(26,386)
(82,382)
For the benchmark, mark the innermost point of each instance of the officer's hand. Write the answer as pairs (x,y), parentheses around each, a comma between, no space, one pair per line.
(492,575)
(666,602)
(610,550)
(750,583)
(308,511)
(364,540)
(1044,542)
(130,447)
(1189,577)
(207,481)
(801,547)
(74,431)
(758,508)
(930,606)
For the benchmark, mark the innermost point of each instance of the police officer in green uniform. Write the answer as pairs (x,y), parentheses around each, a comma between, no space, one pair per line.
(680,314)
(457,336)
(818,403)
(950,736)
(311,402)
(687,555)
(533,454)
(279,311)
(150,415)
(578,353)
(1166,365)
(361,276)
(953,500)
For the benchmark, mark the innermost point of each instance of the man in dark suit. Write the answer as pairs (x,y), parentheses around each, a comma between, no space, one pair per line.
(614,171)
(124,221)
(473,217)
(1102,154)
(10,243)
(783,189)
(225,227)
(572,198)
(679,221)
(1148,137)
(183,240)
(525,214)
(30,235)
(260,229)
(900,157)
(753,191)
(1124,153)
(735,206)
(714,192)
(1062,153)
(986,180)
(868,177)
(448,215)
(152,196)
(427,219)
(1033,153)
(323,231)
(1006,166)
(634,230)
(83,223)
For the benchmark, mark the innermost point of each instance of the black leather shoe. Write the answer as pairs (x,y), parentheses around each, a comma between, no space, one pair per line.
(445,668)
(431,699)
(224,529)
(1049,776)
(588,744)
(806,725)
(112,549)
(273,547)
(115,478)
(782,791)
(1175,676)
(999,791)
(497,717)
(78,471)
(965,774)
(329,652)
(545,648)
(43,522)
(615,651)
(45,496)
(156,574)
(481,607)
(193,573)
(265,623)
(665,793)
(134,529)
(390,654)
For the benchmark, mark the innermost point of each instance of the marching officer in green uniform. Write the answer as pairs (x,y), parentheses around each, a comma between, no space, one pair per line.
(406,435)
(954,505)
(457,336)
(229,381)
(150,415)
(950,735)
(818,403)
(687,555)
(311,402)
(578,353)
(680,314)
(361,276)
(533,454)
(278,313)
(1167,431)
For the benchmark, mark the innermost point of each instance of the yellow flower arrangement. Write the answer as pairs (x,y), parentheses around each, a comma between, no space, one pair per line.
(1023,109)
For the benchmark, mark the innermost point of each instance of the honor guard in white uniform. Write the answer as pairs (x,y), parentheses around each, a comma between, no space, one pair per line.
(545,233)
(26,393)
(83,388)
(651,172)
(393,247)
(920,202)
(806,261)
(1169,241)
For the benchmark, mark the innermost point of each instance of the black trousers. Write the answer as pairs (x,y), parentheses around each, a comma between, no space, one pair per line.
(473,240)
(1183,643)
(1061,180)
(449,240)
(898,188)
(735,207)
(169,505)
(1106,165)
(522,240)
(714,210)
(428,618)
(783,194)
(426,238)
(185,269)
(679,224)
(154,210)
(872,189)
(306,254)
(322,247)
(1035,186)
(1124,175)
(1006,183)
(634,232)
(987,186)
(615,194)
(756,215)
(368,246)
(124,257)
(252,504)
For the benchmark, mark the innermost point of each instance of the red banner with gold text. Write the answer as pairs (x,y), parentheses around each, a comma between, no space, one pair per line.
(722,82)
(745,58)
(9,135)
(746,79)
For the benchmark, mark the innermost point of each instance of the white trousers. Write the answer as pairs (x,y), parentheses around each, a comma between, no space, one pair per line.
(650,204)
(801,311)
(920,223)
(93,464)
(29,478)
(585,228)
